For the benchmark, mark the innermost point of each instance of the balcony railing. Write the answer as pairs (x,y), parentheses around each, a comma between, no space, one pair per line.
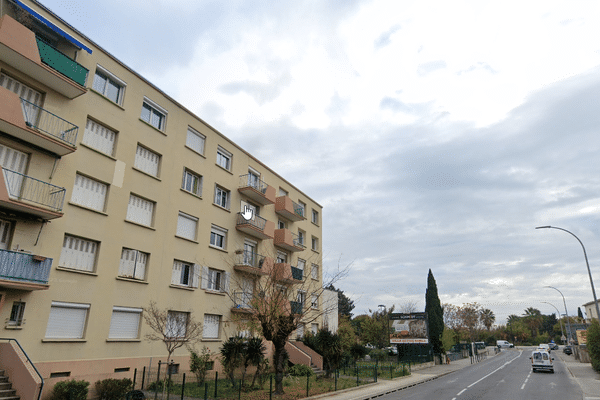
(23,187)
(296,307)
(298,209)
(23,267)
(253,182)
(242,300)
(256,221)
(53,125)
(62,63)
(297,273)
(250,259)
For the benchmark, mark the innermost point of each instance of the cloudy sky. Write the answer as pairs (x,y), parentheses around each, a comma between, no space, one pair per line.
(435,134)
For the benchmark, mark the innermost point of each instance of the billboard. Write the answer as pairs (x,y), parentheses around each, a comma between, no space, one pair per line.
(408,328)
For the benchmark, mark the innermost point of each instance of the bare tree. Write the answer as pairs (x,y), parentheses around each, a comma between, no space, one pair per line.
(174,328)
(409,306)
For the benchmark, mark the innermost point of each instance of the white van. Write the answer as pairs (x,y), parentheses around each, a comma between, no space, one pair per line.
(541,360)
(503,344)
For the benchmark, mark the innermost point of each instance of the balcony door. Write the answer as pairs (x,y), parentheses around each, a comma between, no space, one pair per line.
(5,230)
(33,97)
(14,167)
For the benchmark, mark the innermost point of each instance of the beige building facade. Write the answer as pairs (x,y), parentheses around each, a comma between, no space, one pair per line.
(113,195)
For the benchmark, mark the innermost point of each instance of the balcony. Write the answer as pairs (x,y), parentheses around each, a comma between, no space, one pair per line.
(252,263)
(242,303)
(24,271)
(33,124)
(31,196)
(287,240)
(258,227)
(289,209)
(22,50)
(285,273)
(256,190)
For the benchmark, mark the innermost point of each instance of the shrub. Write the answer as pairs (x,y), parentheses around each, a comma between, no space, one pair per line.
(113,389)
(300,370)
(593,344)
(200,364)
(378,354)
(70,390)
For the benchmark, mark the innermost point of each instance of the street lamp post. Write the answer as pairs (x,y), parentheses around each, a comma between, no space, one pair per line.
(566,312)
(562,332)
(383,311)
(586,263)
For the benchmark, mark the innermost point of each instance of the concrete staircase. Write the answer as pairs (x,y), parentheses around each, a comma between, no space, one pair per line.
(6,391)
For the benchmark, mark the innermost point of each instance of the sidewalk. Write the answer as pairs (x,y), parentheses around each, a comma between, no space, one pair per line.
(586,377)
(382,387)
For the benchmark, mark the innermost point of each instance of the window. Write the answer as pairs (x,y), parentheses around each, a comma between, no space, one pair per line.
(5,234)
(187,226)
(301,297)
(314,272)
(254,179)
(153,114)
(224,158)
(176,327)
(213,279)
(300,331)
(147,161)
(192,182)
(281,257)
(108,85)
(314,301)
(282,192)
(211,326)
(195,140)
(222,197)
(315,244)
(99,137)
(140,210)
(89,193)
(218,237)
(315,217)
(133,264)
(185,274)
(66,320)
(314,328)
(302,208)
(301,236)
(301,265)
(17,313)
(34,97)
(281,224)
(78,253)
(125,323)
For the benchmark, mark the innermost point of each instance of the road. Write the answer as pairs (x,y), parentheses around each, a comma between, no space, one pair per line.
(505,376)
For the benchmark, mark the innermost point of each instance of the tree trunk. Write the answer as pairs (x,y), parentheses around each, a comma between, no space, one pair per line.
(279,367)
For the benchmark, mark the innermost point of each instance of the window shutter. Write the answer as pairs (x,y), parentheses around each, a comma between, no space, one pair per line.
(66,320)
(89,193)
(124,323)
(140,265)
(127,266)
(99,137)
(78,254)
(176,274)
(146,161)
(204,282)
(25,92)
(211,326)
(195,141)
(225,285)
(140,210)
(195,275)
(186,226)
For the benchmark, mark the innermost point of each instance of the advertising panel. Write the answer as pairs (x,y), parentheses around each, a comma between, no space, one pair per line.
(408,328)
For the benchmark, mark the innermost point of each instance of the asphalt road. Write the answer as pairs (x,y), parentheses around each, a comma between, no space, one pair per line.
(505,376)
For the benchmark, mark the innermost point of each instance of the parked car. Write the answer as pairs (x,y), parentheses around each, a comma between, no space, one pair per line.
(568,350)
(541,360)
(553,346)
(503,344)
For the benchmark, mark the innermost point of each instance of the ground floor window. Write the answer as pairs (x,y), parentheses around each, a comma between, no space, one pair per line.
(67,320)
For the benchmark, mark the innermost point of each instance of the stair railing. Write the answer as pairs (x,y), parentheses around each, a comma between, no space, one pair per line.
(30,363)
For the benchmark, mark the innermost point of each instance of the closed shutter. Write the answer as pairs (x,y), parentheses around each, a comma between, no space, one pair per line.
(195,276)
(225,285)
(133,264)
(147,161)
(66,320)
(99,137)
(89,193)
(78,254)
(211,326)
(140,210)
(195,141)
(25,92)
(124,323)
(16,161)
(186,226)
(5,234)
(176,273)
(204,282)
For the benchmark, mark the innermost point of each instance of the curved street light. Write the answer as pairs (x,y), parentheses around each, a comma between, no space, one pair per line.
(586,262)
(566,312)
(562,333)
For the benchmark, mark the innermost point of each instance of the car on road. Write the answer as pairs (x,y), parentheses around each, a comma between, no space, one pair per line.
(568,350)
(553,346)
(544,346)
(503,344)
(541,360)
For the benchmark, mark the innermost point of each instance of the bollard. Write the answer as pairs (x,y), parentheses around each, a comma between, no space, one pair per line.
(205,390)
(183,386)
(216,382)
(307,383)
(271,388)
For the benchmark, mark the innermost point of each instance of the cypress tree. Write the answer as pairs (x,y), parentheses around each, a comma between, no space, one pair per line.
(435,315)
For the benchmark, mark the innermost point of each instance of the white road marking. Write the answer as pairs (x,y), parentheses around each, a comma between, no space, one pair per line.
(491,373)
(526,380)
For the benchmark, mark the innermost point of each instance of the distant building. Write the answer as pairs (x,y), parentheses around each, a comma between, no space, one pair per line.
(112,195)
(590,311)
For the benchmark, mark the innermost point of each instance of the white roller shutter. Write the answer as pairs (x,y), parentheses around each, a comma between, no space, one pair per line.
(66,320)
(124,323)
(186,226)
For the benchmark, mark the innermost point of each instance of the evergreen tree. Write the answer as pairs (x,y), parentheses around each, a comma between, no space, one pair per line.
(435,315)
(579,313)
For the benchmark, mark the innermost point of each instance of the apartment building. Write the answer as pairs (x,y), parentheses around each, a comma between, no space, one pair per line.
(113,195)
